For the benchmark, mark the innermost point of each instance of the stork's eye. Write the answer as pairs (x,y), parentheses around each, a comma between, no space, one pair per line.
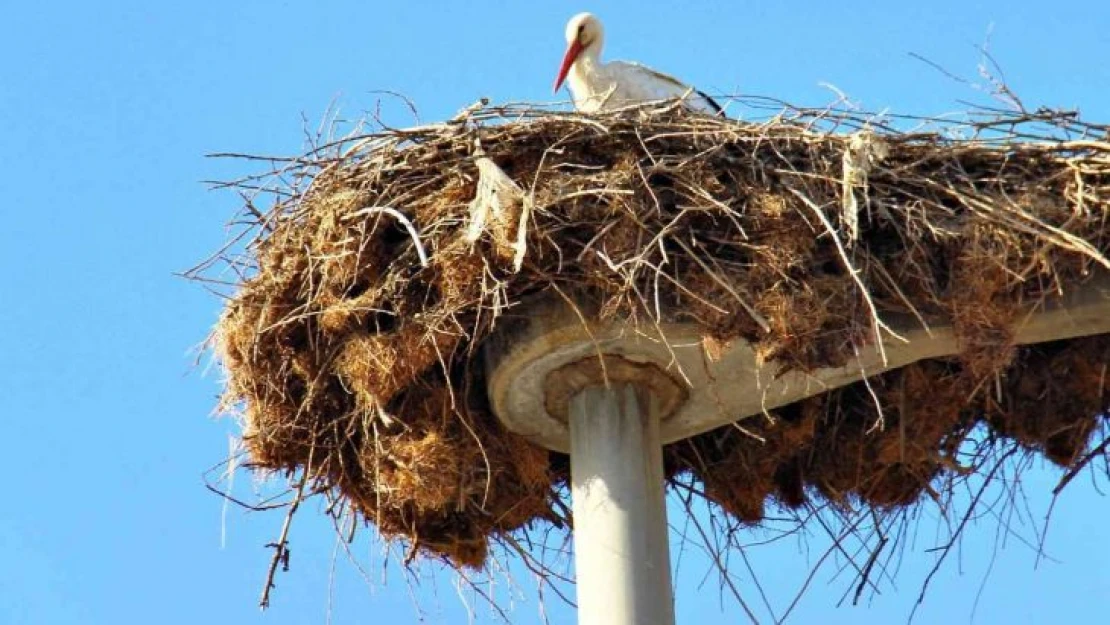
(581,28)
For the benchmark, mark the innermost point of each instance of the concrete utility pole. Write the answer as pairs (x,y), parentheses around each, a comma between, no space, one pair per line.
(612,396)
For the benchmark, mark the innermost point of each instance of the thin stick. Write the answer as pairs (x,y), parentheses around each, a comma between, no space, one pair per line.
(852,272)
(760,319)
(281,547)
(396,214)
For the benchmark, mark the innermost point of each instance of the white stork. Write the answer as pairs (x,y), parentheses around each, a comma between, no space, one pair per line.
(597,86)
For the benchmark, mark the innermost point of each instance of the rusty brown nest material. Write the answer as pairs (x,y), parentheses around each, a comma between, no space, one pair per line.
(352,343)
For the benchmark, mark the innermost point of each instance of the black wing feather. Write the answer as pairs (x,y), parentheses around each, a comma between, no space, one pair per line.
(716,107)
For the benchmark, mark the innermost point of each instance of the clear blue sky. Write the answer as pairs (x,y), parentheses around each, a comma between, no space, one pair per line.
(106,109)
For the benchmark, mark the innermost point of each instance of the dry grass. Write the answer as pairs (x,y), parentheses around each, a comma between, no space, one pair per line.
(351,341)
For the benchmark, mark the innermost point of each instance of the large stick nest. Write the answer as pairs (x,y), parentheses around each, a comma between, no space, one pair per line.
(352,344)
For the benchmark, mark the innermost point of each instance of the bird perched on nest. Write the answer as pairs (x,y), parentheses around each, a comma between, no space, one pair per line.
(597,86)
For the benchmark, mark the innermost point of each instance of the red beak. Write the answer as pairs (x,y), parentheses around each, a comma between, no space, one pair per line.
(573,50)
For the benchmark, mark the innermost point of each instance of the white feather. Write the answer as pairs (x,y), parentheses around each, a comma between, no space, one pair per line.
(598,86)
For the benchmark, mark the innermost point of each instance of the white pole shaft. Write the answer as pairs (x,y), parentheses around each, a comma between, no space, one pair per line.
(621,550)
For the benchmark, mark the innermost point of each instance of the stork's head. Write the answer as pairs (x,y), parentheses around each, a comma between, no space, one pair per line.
(584,35)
